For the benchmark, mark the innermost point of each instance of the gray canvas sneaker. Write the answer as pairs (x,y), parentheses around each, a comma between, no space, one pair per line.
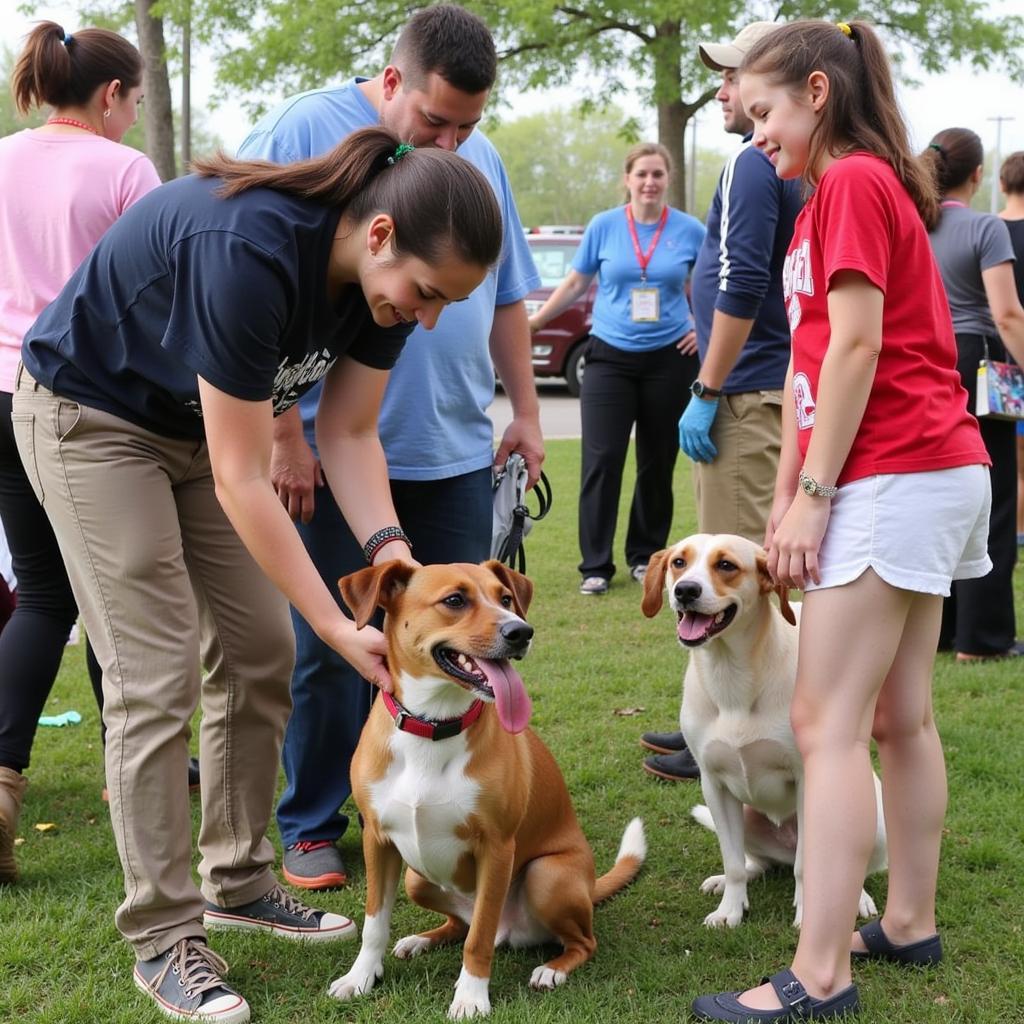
(281,914)
(185,983)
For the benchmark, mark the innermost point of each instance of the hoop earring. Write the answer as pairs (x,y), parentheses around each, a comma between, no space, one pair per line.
(106,113)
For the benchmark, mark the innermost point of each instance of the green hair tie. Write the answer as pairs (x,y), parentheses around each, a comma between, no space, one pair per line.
(402,149)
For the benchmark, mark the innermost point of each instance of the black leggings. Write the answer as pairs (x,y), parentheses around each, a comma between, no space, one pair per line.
(32,642)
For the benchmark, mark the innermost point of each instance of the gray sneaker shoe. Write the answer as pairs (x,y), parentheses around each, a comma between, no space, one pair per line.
(185,983)
(594,586)
(281,914)
(314,865)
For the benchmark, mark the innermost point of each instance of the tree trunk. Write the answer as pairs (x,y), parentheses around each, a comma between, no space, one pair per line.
(672,119)
(671,123)
(157,86)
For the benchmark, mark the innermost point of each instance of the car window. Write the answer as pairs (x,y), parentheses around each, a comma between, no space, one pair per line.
(553,262)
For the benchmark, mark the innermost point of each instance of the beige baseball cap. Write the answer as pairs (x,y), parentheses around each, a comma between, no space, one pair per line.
(728,56)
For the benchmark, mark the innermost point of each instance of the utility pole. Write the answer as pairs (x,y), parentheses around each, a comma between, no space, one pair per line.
(994,204)
(691,204)
(186,90)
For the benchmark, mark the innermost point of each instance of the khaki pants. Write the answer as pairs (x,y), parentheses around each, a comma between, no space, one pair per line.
(734,493)
(155,566)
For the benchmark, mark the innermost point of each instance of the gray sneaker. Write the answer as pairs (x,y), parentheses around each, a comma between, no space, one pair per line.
(314,865)
(281,914)
(185,983)
(594,586)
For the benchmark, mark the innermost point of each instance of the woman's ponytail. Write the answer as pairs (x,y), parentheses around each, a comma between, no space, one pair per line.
(58,69)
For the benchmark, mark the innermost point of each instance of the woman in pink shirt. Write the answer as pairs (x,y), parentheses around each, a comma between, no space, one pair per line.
(61,186)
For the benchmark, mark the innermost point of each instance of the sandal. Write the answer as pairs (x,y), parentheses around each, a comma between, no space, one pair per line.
(796,1004)
(923,953)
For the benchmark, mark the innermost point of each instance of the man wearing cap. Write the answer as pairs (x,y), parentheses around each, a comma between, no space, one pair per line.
(732,426)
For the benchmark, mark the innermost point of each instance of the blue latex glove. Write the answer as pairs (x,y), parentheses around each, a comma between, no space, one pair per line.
(695,429)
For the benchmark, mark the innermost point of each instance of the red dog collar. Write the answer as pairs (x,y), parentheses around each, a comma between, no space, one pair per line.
(427,728)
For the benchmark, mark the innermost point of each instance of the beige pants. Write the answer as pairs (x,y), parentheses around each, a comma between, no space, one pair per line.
(156,566)
(734,493)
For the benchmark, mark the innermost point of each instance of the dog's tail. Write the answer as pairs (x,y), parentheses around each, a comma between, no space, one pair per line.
(632,851)
(701,814)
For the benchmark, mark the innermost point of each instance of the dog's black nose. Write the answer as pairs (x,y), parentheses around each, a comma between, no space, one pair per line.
(687,591)
(518,633)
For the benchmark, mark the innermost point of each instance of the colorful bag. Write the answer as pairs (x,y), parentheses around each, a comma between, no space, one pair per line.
(1000,390)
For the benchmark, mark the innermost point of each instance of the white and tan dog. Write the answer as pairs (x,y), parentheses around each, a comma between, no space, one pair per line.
(737,691)
(449,779)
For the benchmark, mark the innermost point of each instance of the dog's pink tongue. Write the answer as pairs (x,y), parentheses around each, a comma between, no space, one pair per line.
(693,625)
(510,696)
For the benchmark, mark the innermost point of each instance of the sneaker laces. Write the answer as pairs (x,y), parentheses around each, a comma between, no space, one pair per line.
(284,899)
(197,966)
(309,845)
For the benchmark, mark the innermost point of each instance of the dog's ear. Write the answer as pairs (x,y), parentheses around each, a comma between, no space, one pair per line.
(521,587)
(375,585)
(654,583)
(768,586)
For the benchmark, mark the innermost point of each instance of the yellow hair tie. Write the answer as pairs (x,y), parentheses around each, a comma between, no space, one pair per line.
(845,29)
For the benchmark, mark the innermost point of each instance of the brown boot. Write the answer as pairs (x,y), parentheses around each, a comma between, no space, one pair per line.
(12,789)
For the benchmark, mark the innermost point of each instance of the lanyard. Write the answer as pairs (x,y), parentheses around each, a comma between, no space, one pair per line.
(644,258)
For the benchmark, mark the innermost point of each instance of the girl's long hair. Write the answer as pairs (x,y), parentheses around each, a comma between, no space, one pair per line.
(861,112)
(439,202)
(952,157)
(62,70)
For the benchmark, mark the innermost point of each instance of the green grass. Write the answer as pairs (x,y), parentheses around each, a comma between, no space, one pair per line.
(62,961)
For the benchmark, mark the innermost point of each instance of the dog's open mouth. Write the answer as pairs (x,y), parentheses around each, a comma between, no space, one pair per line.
(491,680)
(696,628)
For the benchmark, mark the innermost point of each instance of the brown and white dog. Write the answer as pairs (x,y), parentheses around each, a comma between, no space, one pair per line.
(737,692)
(449,779)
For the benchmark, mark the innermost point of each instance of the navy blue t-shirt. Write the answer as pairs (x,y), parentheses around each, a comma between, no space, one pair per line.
(187,284)
(739,269)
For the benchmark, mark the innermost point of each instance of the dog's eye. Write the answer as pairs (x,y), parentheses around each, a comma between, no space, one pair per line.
(726,566)
(506,600)
(678,563)
(454,601)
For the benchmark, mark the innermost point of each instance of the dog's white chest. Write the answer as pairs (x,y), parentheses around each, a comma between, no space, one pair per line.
(421,801)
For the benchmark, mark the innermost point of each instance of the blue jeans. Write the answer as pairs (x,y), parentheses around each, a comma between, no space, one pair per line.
(447,521)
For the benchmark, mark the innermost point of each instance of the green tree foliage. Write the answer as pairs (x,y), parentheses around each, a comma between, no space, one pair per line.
(567,165)
(286,47)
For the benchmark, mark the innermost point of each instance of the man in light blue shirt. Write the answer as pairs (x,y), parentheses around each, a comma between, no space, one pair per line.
(434,427)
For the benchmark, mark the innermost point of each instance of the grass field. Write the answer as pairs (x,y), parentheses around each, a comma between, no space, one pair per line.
(600,673)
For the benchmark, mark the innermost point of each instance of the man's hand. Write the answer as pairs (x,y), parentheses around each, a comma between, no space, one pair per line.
(695,429)
(522,435)
(295,473)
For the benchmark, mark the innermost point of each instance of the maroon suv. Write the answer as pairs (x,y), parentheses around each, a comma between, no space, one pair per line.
(558,347)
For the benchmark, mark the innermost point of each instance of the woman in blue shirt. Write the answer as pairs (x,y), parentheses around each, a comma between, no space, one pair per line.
(640,361)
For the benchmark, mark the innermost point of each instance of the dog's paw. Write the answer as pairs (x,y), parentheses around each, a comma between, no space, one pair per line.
(713,885)
(866,907)
(728,915)
(356,983)
(471,997)
(544,978)
(410,946)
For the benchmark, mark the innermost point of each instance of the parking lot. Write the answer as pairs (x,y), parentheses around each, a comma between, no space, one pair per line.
(559,411)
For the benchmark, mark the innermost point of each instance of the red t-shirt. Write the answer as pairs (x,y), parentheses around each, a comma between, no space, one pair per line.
(862,218)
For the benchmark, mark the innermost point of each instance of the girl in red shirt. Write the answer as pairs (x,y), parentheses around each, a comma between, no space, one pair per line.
(881,500)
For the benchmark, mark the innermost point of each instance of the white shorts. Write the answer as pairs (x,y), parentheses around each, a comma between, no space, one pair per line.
(918,531)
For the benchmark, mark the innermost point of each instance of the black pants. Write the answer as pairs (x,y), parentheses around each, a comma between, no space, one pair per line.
(978,617)
(620,389)
(32,642)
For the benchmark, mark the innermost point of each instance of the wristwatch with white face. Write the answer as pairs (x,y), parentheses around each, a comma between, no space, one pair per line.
(811,487)
(700,390)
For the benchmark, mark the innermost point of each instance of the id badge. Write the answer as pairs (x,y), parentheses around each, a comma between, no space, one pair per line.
(645,306)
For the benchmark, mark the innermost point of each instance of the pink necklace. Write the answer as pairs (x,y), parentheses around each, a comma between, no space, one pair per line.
(73,123)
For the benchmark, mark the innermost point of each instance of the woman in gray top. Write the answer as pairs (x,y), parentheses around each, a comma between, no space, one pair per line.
(976,261)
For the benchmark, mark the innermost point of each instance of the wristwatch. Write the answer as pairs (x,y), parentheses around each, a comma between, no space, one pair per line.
(700,390)
(811,487)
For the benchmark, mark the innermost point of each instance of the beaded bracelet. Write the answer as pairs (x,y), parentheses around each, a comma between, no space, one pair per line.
(383,536)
